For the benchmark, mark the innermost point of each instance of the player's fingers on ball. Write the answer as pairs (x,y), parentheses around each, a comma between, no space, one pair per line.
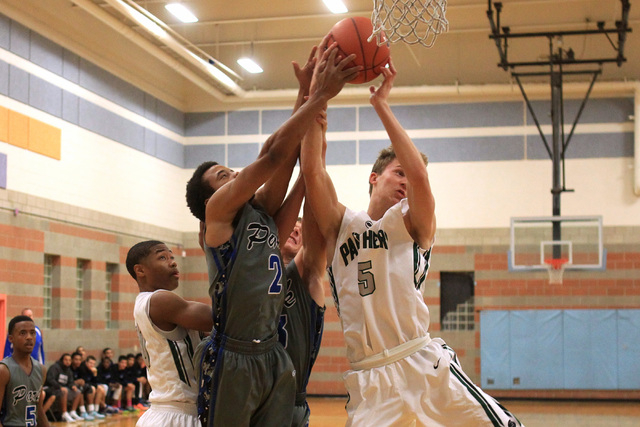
(321,66)
(345,61)
(331,58)
(325,41)
(329,49)
(352,73)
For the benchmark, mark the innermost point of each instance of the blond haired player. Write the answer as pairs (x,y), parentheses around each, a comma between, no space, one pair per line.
(378,263)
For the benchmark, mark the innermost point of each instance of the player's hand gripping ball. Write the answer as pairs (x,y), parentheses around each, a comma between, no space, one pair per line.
(351,35)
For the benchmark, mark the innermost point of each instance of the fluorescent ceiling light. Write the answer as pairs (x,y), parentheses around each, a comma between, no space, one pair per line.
(146,22)
(250,65)
(336,6)
(181,12)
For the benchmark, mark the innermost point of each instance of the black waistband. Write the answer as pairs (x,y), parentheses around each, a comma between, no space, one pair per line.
(301,398)
(246,347)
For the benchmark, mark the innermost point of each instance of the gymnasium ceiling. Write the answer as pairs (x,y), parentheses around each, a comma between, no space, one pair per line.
(275,32)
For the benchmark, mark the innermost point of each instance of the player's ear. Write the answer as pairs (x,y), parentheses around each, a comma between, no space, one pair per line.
(373,178)
(139,270)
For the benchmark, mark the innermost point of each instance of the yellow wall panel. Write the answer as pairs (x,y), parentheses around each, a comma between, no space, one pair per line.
(44,139)
(4,124)
(18,130)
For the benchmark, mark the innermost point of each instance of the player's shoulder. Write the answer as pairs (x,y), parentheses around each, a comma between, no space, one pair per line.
(5,372)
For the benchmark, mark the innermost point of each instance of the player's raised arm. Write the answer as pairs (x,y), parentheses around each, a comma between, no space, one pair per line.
(167,310)
(271,195)
(320,193)
(287,215)
(279,149)
(422,221)
(314,260)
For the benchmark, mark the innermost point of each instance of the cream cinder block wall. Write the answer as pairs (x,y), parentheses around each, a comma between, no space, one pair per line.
(98,174)
(488,194)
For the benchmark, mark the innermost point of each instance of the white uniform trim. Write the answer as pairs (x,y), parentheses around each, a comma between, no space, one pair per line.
(170,414)
(391,356)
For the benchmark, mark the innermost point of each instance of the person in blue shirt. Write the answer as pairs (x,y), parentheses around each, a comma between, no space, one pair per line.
(38,348)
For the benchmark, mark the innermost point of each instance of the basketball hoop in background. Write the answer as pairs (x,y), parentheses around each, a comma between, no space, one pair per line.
(556,267)
(412,21)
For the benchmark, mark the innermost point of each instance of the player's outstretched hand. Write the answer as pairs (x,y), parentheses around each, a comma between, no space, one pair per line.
(305,73)
(382,93)
(329,76)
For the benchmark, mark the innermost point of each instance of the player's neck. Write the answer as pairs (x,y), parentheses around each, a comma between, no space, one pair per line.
(376,210)
(24,360)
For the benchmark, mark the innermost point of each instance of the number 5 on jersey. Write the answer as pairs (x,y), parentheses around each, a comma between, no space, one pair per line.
(366,281)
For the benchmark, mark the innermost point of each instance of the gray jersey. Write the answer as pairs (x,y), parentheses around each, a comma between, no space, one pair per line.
(244,370)
(301,325)
(247,299)
(21,395)
(300,330)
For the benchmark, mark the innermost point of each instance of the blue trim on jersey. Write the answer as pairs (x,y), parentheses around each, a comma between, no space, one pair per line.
(221,340)
(224,260)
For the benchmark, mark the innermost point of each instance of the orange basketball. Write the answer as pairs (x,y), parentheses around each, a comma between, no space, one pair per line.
(351,35)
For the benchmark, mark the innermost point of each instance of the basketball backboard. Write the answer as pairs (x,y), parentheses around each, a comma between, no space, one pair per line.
(538,243)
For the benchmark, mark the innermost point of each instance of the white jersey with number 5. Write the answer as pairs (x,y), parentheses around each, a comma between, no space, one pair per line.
(377,277)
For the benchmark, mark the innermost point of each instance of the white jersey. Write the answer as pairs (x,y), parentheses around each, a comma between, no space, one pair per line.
(168,355)
(377,278)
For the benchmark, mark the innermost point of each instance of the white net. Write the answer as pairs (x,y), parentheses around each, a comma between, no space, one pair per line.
(412,21)
(556,268)
(555,276)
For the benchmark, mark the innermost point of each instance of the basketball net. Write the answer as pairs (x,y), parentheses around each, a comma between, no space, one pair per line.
(556,269)
(412,21)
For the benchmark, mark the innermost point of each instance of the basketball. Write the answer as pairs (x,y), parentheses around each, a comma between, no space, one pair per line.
(351,35)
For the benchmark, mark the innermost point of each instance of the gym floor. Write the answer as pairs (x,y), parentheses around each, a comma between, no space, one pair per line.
(329,412)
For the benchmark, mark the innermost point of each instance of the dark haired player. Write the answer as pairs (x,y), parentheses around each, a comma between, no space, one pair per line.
(21,378)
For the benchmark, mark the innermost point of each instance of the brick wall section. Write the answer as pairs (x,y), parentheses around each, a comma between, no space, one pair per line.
(21,238)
